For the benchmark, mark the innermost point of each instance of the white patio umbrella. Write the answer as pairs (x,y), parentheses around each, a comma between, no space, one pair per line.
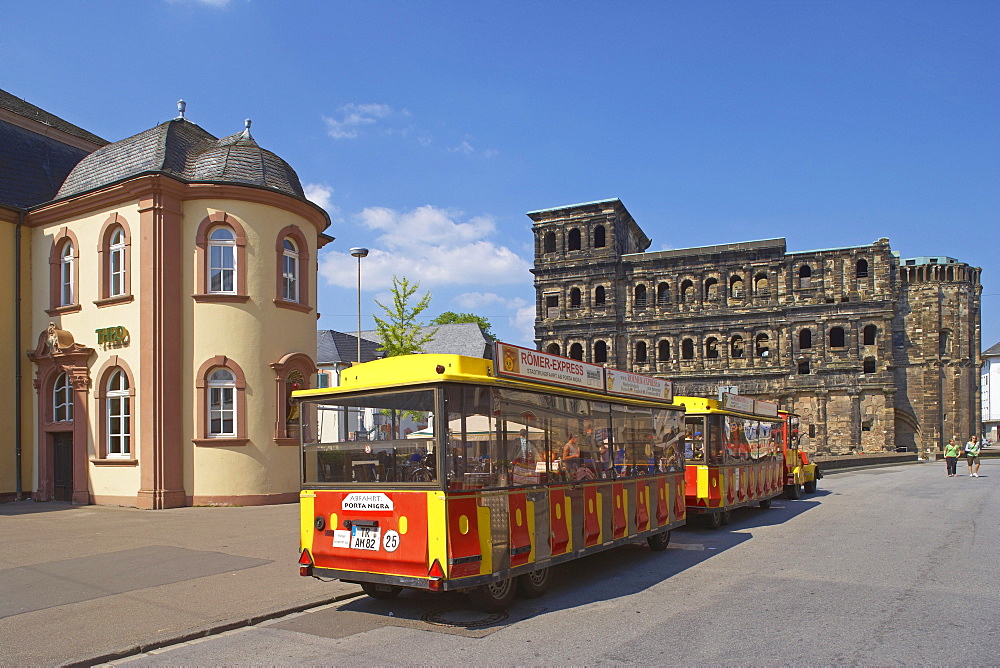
(478,428)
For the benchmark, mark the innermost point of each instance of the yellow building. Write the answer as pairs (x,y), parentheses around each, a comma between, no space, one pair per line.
(173,310)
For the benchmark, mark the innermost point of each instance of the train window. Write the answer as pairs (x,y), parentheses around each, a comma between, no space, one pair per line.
(378,438)
(694,439)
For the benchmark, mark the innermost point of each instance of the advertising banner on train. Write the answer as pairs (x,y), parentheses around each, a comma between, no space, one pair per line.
(768,408)
(522,363)
(737,402)
(628,384)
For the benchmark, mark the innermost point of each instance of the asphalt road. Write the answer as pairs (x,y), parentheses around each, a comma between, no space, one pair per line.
(892,565)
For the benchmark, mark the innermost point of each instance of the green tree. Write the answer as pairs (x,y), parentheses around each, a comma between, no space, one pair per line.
(451,318)
(399,330)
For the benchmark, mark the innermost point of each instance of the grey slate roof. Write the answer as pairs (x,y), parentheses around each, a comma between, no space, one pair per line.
(458,339)
(39,115)
(185,151)
(333,346)
(33,165)
(994,350)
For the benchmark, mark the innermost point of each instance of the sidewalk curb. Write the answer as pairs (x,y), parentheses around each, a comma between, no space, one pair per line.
(861,467)
(203,632)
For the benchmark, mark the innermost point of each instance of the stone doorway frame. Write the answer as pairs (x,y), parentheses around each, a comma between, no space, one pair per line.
(58,353)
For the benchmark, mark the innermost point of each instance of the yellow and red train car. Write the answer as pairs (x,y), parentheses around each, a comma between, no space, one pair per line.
(444,472)
(733,453)
(800,474)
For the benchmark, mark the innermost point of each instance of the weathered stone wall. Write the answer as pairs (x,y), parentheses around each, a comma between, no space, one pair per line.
(842,336)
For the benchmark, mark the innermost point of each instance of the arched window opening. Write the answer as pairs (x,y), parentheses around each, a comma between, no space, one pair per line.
(549,242)
(67,284)
(119,415)
(869,334)
(687,292)
(869,365)
(600,352)
(805,276)
(62,399)
(640,296)
(944,342)
(805,339)
(600,296)
(761,287)
(712,290)
(552,349)
(576,351)
(762,345)
(640,352)
(222,261)
(663,354)
(599,237)
(836,337)
(687,349)
(289,271)
(736,347)
(574,297)
(573,242)
(804,367)
(861,268)
(712,348)
(663,294)
(221,403)
(736,287)
(116,263)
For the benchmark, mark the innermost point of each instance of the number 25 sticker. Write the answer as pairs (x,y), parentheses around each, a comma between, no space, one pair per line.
(390,541)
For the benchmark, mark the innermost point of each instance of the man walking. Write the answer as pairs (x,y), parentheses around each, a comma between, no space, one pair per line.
(972,456)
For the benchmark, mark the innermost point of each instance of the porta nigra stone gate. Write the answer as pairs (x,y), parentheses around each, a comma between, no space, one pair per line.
(874,352)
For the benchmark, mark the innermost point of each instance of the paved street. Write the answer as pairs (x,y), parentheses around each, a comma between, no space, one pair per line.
(886,565)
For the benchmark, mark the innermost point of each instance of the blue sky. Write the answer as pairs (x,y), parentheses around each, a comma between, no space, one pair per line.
(428,129)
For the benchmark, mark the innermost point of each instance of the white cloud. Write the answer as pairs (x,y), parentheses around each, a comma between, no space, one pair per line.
(319,193)
(353,120)
(524,323)
(465,147)
(470,300)
(352,117)
(433,246)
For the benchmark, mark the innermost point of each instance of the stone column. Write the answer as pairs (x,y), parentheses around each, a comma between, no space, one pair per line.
(855,396)
(889,417)
(822,431)
(161,328)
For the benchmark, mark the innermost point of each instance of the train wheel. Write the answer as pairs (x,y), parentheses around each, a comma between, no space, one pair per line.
(535,583)
(382,592)
(766,503)
(793,491)
(725,517)
(712,520)
(658,542)
(810,487)
(494,596)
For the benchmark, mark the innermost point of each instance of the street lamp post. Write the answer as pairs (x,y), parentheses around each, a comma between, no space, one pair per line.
(359,253)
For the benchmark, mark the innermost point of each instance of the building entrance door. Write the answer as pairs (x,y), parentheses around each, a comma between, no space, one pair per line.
(62,467)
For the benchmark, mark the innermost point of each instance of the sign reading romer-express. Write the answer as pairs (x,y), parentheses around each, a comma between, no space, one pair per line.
(516,362)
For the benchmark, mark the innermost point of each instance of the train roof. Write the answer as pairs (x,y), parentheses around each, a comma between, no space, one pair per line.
(703,405)
(421,369)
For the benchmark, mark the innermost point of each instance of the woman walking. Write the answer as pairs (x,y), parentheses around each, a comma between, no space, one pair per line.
(952,451)
(972,456)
